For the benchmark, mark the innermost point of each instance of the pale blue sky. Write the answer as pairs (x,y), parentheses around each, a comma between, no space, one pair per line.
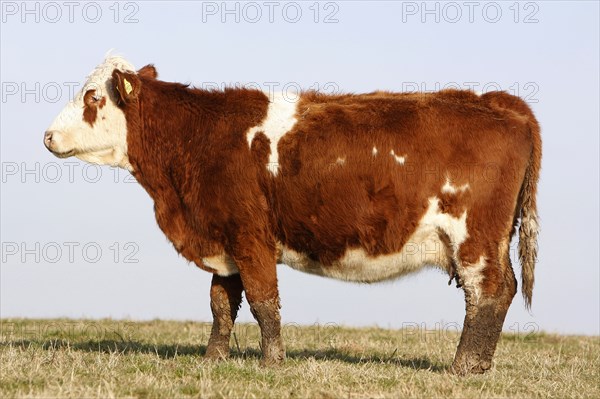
(57,206)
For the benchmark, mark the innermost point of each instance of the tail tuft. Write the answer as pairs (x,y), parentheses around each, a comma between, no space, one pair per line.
(528,248)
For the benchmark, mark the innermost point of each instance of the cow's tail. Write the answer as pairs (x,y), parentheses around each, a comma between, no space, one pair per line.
(526,205)
(529,228)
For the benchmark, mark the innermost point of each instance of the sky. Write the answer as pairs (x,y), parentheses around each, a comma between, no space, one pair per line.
(81,241)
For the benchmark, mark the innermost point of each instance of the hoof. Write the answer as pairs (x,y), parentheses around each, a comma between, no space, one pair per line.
(466,368)
(214,353)
(272,362)
(273,356)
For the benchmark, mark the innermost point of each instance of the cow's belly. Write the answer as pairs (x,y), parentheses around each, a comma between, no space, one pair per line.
(424,248)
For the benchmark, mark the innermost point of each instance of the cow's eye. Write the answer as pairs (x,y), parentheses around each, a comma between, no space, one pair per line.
(91,97)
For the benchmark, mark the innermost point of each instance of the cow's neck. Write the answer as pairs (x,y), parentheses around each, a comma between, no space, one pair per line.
(174,126)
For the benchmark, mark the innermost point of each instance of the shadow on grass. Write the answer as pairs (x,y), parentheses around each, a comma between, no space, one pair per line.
(170,351)
(419,363)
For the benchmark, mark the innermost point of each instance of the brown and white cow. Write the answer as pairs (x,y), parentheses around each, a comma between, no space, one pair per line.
(362,188)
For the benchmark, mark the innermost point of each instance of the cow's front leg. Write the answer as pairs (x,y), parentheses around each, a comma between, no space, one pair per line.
(266,312)
(257,264)
(225,300)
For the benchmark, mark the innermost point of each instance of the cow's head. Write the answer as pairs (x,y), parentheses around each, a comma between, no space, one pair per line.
(92,127)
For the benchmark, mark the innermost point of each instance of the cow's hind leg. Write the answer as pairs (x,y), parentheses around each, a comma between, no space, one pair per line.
(489,287)
(225,300)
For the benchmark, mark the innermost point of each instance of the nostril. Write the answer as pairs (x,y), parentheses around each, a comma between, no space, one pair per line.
(48,137)
(48,143)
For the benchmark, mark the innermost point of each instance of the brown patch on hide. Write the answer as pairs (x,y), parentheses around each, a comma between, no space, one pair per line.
(90,106)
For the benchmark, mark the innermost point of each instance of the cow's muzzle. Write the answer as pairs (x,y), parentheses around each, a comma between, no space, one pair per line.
(51,144)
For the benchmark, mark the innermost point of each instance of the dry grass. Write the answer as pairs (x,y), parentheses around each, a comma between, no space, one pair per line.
(77,358)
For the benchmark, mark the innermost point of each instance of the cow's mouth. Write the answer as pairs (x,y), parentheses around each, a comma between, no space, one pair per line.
(64,154)
(73,152)
(50,146)
(61,154)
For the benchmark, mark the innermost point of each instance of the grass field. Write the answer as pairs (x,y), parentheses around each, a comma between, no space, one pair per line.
(106,358)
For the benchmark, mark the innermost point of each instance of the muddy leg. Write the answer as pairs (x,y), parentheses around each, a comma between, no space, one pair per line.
(259,276)
(267,315)
(225,300)
(483,324)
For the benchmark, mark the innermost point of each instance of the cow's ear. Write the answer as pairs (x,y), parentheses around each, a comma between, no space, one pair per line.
(127,85)
(149,71)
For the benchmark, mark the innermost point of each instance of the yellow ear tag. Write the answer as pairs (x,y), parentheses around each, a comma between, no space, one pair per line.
(128,87)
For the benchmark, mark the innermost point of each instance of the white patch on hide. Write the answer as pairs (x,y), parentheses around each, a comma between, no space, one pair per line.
(222,264)
(455,228)
(281,118)
(471,276)
(448,188)
(398,158)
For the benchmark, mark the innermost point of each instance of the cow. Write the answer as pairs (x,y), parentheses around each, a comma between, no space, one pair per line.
(357,187)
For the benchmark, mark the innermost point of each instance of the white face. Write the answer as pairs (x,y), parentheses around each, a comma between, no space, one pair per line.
(92,127)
